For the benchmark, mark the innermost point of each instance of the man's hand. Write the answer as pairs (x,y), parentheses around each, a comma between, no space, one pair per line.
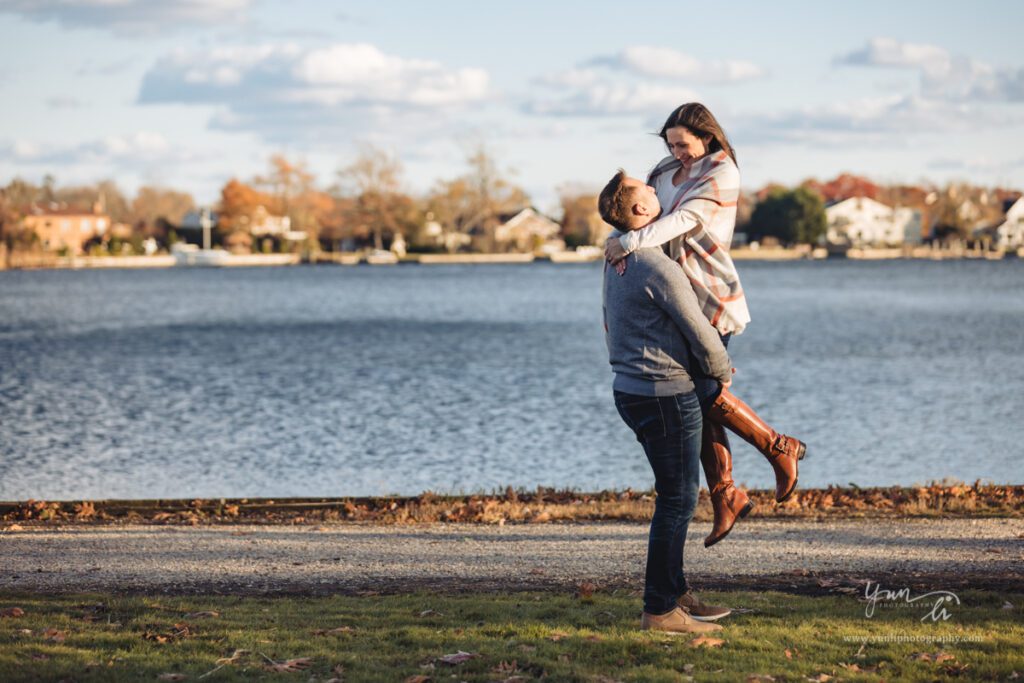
(728,383)
(613,251)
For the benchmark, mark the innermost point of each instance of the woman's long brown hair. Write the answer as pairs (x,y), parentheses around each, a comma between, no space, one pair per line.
(702,123)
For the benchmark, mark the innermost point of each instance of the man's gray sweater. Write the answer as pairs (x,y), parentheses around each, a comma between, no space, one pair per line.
(654,326)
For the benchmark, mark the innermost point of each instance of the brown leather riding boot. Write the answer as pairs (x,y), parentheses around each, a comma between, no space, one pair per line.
(783,452)
(728,502)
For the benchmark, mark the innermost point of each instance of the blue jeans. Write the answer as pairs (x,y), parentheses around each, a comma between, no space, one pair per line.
(669,429)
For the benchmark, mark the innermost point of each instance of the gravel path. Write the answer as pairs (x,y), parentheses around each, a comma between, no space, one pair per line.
(452,557)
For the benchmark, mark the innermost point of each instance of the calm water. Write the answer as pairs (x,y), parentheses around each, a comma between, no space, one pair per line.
(311,381)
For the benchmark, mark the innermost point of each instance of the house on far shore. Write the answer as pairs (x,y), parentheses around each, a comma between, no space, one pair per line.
(63,228)
(861,220)
(1010,233)
(527,231)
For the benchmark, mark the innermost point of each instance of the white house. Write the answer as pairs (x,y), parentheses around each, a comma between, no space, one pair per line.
(861,220)
(1010,233)
(527,229)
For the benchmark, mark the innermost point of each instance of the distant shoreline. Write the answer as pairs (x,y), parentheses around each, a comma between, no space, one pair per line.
(48,262)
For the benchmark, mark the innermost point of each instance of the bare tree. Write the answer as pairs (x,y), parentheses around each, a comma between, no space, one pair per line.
(380,207)
(473,203)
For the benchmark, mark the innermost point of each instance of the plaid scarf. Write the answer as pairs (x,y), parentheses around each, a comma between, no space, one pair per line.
(711,191)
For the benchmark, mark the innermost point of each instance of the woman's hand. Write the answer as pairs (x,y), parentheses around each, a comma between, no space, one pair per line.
(613,251)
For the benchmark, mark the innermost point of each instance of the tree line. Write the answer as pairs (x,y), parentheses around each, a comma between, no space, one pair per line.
(367,206)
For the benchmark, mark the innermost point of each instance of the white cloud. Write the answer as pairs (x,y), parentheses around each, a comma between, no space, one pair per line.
(64,102)
(943,75)
(624,84)
(130,16)
(570,78)
(274,88)
(139,148)
(613,99)
(664,62)
(977,165)
(887,120)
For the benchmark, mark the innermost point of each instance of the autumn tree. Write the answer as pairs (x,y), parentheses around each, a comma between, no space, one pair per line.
(291,186)
(581,222)
(791,216)
(15,199)
(154,208)
(378,206)
(238,202)
(474,202)
(844,186)
(105,196)
(958,210)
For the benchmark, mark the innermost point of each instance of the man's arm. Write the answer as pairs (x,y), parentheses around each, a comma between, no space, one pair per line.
(677,299)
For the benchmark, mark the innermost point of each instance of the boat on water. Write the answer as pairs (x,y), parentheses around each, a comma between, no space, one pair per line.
(381,257)
(192,255)
(582,254)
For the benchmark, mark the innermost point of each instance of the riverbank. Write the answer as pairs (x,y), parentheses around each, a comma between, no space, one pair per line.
(383,602)
(520,506)
(51,261)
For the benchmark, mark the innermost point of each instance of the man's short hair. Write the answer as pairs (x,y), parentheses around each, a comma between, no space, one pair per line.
(614,203)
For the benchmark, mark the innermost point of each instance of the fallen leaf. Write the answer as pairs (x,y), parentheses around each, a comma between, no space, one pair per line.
(504,667)
(54,636)
(430,613)
(236,656)
(586,590)
(418,678)
(820,678)
(557,636)
(202,615)
(760,678)
(955,669)
(13,612)
(171,677)
(706,641)
(789,655)
(457,658)
(938,657)
(333,631)
(288,666)
(14,527)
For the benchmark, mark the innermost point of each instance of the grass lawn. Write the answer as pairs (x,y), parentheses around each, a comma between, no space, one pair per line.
(511,637)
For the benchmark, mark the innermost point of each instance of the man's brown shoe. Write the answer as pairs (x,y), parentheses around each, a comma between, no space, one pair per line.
(698,610)
(676,621)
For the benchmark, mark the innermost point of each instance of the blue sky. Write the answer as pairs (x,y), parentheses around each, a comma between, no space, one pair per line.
(189,93)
